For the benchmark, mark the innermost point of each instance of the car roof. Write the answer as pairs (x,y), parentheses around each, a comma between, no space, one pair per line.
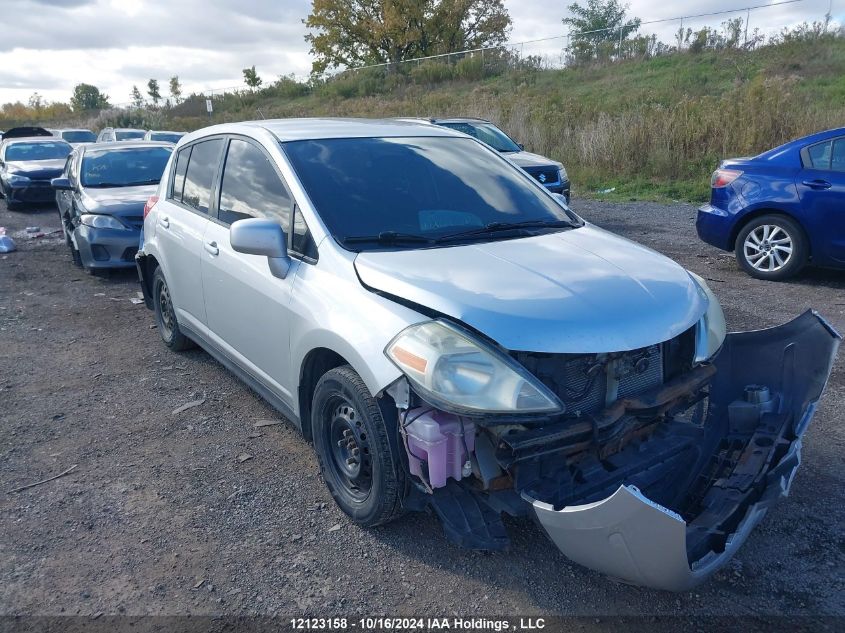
(325,128)
(73,129)
(26,131)
(164,132)
(95,147)
(16,140)
(782,153)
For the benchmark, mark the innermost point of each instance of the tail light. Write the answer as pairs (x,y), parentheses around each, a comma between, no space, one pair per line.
(149,205)
(724,177)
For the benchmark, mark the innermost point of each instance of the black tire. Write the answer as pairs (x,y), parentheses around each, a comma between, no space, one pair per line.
(74,253)
(63,223)
(12,205)
(101,273)
(345,418)
(772,247)
(165,315)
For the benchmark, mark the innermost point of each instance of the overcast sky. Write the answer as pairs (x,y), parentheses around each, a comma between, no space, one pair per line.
(48,46)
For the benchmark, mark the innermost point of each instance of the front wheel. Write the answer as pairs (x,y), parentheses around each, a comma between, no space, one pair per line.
(165,313)
(357,461)
(771,247)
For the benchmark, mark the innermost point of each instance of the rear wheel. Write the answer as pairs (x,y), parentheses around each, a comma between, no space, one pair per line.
(357,461)
(771,247)
(165,314)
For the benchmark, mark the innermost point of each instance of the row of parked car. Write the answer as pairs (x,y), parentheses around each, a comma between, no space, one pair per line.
(777,211)
(101,182)
(451,335)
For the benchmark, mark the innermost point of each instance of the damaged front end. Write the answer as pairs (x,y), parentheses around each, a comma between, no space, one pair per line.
(658,468)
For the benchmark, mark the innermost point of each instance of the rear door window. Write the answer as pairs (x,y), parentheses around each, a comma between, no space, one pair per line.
(837,156)
(819,156)
(251,187)
(199,178)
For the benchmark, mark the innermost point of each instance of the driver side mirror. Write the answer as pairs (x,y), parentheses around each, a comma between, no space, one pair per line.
(520,146)
(62,184)
(255,236)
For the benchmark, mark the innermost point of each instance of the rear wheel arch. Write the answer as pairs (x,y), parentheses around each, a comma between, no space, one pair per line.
(753,215)
(150,264)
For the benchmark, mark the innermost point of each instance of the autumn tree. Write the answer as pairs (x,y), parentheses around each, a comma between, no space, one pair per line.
(251,78)
(597,28)
(153,91)
(175,89)
(88,97)
(347,33)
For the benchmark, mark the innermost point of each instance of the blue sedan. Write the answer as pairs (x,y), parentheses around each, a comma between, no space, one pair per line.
(781,210)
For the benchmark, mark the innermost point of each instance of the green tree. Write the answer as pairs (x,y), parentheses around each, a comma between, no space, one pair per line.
(36,102)
(175,89)
(347,33)
(88,97)
(153,91)
(137,97)
(598,28)
(251,78)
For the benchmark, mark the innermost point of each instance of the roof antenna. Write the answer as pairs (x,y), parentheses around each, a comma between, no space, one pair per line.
(260,113)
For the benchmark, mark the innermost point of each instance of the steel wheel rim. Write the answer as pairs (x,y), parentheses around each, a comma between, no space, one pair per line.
(350,460)
(768,248)
(166,308)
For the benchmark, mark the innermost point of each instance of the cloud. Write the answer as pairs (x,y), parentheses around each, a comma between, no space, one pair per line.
(55,44)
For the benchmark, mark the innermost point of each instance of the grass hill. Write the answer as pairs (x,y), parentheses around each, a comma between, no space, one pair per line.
(650,128)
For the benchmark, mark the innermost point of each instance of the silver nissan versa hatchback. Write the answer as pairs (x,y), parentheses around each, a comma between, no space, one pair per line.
(449,335)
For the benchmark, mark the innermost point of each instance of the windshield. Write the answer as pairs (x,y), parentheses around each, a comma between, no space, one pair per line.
(124,167)
(37,151)
(168,137)
(426,187)
(79,136)
(125,135)
(486,133)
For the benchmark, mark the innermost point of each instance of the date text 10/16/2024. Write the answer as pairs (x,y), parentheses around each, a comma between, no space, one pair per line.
(417,624)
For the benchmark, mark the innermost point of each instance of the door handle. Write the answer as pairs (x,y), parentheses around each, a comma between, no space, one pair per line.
(817,184)
(211,248)
(165,222)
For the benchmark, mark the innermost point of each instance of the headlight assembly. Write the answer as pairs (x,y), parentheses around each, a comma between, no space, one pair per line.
(711,330)
(562,173)
(99,221)
(17,179)
(454,372)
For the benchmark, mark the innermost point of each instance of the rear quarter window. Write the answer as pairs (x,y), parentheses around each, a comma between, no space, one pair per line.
(199,178)
(818,156)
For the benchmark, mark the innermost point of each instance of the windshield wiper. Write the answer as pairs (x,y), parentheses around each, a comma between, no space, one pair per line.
(499,227)
(389,237)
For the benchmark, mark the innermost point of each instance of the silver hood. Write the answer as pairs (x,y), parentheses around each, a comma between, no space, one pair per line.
(578,291)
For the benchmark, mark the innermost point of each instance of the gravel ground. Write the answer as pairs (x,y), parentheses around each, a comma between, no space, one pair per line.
(161,516)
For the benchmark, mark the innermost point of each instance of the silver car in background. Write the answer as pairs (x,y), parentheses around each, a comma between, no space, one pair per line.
(75,136)
(163,135)
(450,335)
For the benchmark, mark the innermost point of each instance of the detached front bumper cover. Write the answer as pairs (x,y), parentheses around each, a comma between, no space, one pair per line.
(749,453)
